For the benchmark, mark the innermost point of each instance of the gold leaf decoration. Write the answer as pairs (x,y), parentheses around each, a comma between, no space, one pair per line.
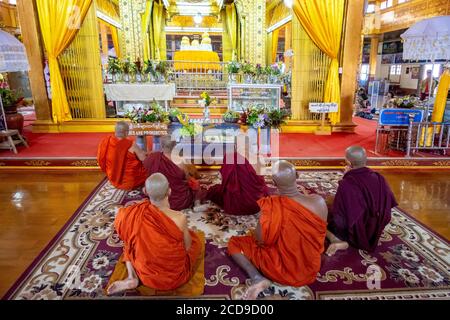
(444,163)
(399,163)
(38,163)
(85,163)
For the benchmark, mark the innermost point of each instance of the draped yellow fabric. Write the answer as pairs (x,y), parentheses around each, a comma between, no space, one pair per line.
(60,22)
(275,35)
(441,97)
(439,108)
(323,21)
(159,35)
(231,26)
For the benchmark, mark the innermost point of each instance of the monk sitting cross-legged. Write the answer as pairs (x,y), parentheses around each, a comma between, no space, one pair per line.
(241,187)
(118,157)
(289,240)
(185,189)
(159,249)
(362,206)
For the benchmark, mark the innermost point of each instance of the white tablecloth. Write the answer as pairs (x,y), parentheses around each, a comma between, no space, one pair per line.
(140,92)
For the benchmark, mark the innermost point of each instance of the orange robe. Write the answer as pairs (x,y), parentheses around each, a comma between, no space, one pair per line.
(154,245)
(294,239)
(124,170)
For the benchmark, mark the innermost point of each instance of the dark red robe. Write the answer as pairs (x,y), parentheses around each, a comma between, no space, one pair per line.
(362,209)
(241,188)
(182,196)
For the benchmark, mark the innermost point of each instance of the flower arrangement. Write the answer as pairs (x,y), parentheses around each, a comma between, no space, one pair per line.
(256,117)
(406,102)
(114,66)
(128,67)
(189,129)
(234,67)
(248,69)
(277,118)
(162,68)
(275,70)
(231,117)
(206,99)
(155,114)
(150,68)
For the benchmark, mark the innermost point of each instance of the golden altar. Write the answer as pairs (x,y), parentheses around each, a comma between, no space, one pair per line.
(189,61)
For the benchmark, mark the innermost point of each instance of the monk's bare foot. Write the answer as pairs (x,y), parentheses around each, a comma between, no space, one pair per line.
(253,292)
(335,247)
(202,208)
(122,286)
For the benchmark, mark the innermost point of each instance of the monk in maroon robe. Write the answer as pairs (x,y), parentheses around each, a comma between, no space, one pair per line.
(362,206)
(183,185)
(241,187)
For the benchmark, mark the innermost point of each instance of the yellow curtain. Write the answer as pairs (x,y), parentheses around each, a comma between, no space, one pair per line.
(275,35)
(60,21)
(231,26)
(159,35)
(323,20)
(441,97)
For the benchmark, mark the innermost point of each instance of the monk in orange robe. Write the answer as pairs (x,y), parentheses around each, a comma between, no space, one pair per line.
(289,240)
(121,160)
(160,251)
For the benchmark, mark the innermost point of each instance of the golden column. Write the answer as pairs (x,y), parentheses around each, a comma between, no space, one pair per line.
(350,63)
(132,36)
(253,17)
(374,43)
(32,40)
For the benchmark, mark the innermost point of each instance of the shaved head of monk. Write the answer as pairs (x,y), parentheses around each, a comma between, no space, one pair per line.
(284,174)
(122,129)
(167,144)
(157,187)
(356,156)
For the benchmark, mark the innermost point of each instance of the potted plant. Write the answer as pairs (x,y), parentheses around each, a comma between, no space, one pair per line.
(231,117)
(277,118)
(162,71)
(233,69)
(150,70)
(274,73)
(128,69)
(155,114)
(139,68)
(249,72)
(11,100)
(114,68)
(257,117)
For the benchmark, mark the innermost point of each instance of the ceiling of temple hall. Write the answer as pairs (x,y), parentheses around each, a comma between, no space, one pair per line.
(193,7)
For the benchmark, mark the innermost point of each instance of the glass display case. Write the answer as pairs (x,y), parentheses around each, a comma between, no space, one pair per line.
(241,96)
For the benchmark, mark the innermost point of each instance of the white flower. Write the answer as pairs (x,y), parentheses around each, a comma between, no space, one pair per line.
(91,284)
(431,274)
(100,263)
(409,255)
(408,276)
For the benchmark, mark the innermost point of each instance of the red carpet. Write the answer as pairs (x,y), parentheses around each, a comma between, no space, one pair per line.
(84,145)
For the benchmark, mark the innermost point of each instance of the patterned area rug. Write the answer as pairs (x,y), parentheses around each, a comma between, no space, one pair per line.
(411,261)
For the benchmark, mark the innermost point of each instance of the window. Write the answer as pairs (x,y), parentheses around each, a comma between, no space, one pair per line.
(402,1)
(370,8)
(364,75)
(396,70)
(436,70)
(386,4)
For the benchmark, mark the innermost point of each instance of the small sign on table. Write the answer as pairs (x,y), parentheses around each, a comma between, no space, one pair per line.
(142,130)
(323,109)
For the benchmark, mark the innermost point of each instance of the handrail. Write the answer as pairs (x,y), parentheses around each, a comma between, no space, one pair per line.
(428,136)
